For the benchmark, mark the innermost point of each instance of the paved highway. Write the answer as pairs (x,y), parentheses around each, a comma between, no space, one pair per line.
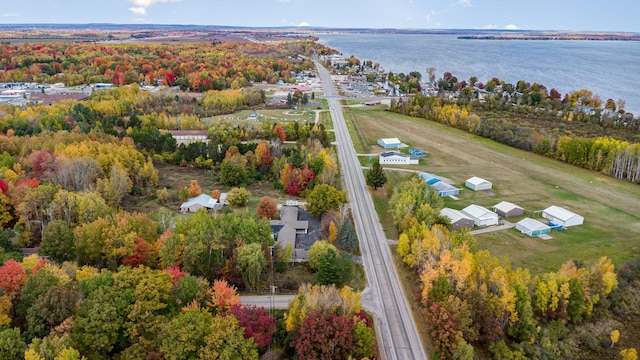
(395,326)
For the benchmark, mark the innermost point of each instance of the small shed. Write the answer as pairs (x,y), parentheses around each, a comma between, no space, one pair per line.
(397,158)
(532,227)
(196,203)
(507,209)
(559,216)
(458,219)
(417,151)
(390,143)
(481,216)
(429,179)
(445,189)
(476,184)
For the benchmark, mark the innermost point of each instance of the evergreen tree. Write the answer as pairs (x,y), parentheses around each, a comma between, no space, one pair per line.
(375,176)
(347,239)
(334,268)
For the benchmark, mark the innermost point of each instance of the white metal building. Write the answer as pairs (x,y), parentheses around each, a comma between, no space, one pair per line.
(476,184)
(390,143)
(481,216)
(397,158)
(532,227)
(561,216)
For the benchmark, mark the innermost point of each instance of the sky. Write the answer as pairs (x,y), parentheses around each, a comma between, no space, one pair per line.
(591,15)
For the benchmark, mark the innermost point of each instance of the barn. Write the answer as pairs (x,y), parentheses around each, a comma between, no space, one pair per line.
(429,179)
(477,184)
(561,217)
(390,143)
(507,209)
(532,227)
(397,158)
(198,202)
(445,189)
(481,216)
(458,219)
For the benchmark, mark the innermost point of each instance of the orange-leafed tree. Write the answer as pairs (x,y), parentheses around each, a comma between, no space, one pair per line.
(278,131)
(267,208)
(333,232)
(215,194)
(223,296)
(194,188)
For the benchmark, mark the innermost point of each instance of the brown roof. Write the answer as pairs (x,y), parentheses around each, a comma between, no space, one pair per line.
(49,99)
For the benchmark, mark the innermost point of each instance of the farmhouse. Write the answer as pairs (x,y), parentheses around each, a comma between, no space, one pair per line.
(561,217)
(199,202)
(429,179)
(189,136)
(481,216)
(445,189)
(476,184)
(390,143)
(396,158)
(286,229)
(458,219)
(532,227)
(507,209)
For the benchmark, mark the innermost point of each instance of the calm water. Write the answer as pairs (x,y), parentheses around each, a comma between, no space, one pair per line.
(610,69)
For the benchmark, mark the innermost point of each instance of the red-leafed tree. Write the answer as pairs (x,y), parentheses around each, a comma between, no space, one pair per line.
(257,323)
(3,186)
(267,208)
(176,273)
(31,182)
(12,277)
(324,336)
(143,254)
(294,187)
(43,164)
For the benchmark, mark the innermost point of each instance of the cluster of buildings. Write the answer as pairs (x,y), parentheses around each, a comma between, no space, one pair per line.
(555,217)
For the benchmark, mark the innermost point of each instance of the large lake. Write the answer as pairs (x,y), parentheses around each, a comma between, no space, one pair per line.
(610,69)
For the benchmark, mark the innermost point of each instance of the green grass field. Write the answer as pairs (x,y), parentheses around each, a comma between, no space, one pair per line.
(611,208)
(273,115)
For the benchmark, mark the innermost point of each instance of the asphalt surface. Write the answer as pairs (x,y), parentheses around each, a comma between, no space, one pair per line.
(396,329)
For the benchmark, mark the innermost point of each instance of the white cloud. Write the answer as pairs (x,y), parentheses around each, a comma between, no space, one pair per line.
(10,15)
(490,26)
(140,6)
(511,27)
(138,11)
(465,3)
(304,23)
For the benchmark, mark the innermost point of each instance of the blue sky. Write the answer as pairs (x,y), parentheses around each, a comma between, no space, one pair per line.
(597,15)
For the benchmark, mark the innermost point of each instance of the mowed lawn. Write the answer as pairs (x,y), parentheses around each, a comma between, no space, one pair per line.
(611,208)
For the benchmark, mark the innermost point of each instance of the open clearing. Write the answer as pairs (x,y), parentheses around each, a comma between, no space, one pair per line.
(611,208)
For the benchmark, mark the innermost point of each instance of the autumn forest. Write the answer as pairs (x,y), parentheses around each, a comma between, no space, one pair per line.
(97,262)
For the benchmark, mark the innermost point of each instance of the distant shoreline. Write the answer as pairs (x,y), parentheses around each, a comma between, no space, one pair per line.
(580,37)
